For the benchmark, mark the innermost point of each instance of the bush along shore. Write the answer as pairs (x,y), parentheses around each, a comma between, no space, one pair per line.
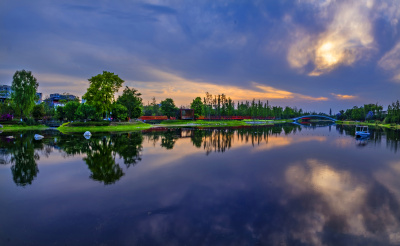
(365,123)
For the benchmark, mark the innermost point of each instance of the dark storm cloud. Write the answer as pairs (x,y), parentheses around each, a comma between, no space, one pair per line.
(218,42)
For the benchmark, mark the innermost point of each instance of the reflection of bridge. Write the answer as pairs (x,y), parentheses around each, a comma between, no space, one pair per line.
(314,116)
(312,126)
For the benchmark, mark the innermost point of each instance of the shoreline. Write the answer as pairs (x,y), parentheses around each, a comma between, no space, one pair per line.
(138,126)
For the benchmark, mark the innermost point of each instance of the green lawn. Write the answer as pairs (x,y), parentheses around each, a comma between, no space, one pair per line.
(123,127)
(213,123)
(22,128)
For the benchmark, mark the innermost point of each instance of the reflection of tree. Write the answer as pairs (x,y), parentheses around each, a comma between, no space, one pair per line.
(129,147)
(168,139)
(24,168)
(101,152)
(377,135)
(101,161)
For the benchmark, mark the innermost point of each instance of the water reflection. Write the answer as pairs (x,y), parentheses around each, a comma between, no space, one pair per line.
(101,150)
(263,185)
(378,135)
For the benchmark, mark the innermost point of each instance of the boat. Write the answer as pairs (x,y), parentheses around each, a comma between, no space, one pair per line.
(362,132)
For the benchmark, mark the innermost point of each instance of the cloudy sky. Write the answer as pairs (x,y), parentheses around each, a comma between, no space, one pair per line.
(313,54)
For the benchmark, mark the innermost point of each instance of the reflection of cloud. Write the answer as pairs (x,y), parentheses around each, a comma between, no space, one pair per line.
(339,190)
(345,200)
(282,141)
(343,42)
(343,97)
(343,142)
(184,91)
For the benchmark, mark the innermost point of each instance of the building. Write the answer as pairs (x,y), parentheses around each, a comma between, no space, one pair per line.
(186,114)
(5,93)
(58,99)
(39,97)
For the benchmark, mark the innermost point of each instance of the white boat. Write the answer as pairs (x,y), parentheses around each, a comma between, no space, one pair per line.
(362,132)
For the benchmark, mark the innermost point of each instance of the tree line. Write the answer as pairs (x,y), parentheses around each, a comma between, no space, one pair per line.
(372,112)
(101,102)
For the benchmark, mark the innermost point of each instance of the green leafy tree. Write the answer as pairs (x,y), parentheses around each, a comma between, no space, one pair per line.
(86,112)
(38,111)
(197,105)
(100,93)
(24,87)
(168,107)
(119,112)
(70,109)
(60,113)
(131,99)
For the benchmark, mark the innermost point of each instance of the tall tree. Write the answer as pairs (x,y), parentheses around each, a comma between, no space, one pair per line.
(197,106)
(100,93)
(24,87)
(168,107)
(131,99)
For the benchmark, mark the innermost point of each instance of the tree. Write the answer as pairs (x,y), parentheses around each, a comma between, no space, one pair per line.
(70,109)
(24,87)
(168,107)
(119,112)
(197,105)
(131,99)
(100,93)
(85,112)
(60,113)
(38,111)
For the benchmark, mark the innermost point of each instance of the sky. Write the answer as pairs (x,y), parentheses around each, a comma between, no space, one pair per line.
(312,54)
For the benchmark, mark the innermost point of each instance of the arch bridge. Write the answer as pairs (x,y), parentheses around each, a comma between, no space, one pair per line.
(314,116)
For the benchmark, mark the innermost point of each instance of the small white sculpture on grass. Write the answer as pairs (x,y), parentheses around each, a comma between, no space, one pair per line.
(87,134)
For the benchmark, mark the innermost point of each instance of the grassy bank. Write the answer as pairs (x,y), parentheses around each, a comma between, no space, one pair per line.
(375,124)
(214,123)
(116,127)
(22,128)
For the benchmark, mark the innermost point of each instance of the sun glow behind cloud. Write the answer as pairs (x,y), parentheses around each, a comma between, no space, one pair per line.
(345,40)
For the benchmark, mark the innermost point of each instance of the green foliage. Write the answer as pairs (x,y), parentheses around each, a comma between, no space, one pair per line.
(393,116)
(168,107)
(197,105)
(152,109)
(24,87)
(38,111)
(70,109)
(131,99)
(60,113)
(119,112)
(100,93)
(90,123)
(86,112)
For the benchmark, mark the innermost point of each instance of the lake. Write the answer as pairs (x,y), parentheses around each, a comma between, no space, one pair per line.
(261,185)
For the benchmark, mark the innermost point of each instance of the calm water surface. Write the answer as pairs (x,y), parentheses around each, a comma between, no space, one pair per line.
(282,185)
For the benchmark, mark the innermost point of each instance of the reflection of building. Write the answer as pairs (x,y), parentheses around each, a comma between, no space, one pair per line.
(57,99)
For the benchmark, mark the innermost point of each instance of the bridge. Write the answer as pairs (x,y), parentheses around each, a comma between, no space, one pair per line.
(314,116)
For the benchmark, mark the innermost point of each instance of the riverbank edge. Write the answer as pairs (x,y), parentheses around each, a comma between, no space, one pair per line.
(168,124)
(395,127)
